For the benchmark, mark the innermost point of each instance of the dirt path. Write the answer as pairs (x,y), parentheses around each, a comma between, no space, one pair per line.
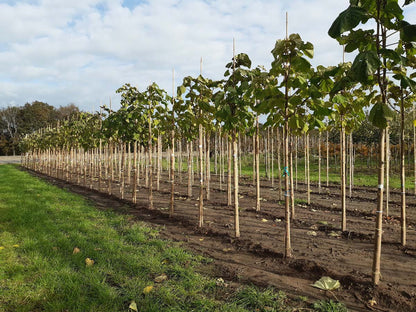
(319,247)
(9,160)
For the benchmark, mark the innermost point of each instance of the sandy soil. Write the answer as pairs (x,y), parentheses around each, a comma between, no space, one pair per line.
(257,256)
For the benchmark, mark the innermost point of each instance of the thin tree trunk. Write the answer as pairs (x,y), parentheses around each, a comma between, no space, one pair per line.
(402,175)
(135,174)
(292,189)
(279,167)
(343,179)
(172,174)
(236,208)
(188,147)
(150,164)
(308,173)
(327,158)
(158,161)
(319,162)
(379,213)
(387,187)
(229,190)
(257,164)
(201,179)
(208,164)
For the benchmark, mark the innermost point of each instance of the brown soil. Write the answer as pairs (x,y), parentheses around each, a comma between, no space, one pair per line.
(257,256)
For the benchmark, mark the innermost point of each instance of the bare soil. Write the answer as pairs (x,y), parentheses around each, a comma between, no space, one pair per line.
(257,256)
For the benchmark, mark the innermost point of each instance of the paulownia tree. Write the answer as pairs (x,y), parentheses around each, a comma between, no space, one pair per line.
(370,67)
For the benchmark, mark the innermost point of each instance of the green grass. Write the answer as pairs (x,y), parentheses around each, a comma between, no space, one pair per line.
(40,225)
(364,174)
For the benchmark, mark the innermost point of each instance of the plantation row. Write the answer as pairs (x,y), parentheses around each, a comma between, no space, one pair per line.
(294,98)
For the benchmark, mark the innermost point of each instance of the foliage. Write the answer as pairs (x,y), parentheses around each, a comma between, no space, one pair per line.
(329,306)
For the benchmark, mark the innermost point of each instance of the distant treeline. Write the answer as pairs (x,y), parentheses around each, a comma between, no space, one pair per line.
(16,121)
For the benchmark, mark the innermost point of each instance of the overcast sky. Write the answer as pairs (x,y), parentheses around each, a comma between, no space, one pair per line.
(81,51)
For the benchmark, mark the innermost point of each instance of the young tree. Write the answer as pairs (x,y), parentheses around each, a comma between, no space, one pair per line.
(370,67)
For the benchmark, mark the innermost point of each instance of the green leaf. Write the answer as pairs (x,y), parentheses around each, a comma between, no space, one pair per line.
(133,306)
(408,33)
(380,115)
(308,49)
(347,20)
(406,82)
(327,283)
(365,64)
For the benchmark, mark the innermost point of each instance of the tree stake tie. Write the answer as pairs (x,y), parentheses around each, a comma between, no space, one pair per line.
(285,172)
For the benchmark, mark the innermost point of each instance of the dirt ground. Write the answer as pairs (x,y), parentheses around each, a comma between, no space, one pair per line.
(319,247)
(10,160)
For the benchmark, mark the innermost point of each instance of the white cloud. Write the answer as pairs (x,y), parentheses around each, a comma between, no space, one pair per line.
(81,51)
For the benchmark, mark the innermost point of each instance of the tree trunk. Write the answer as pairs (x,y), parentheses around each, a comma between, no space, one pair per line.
(388,169)
(135,174)
(292,189)
(208,164)
(257,164)
(172,174)
(236,208)
(201,179)
(402,175)
(327,158)
(189,148)
(288,248)
(150,164)
(319,162)
(229,190)
(279,168)
(343,179)
(379,213)
(308,173)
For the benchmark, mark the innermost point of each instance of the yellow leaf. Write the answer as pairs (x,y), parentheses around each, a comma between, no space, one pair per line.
(89,262)
(263,220)
(161,278)
(76,250)
(133,306)
(201,239)
(2,247)
(15,246)
(147,289)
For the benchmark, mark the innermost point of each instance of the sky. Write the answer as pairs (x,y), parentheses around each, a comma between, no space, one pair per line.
(82,51)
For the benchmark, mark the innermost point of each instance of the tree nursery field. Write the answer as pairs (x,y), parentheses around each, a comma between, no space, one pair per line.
(217,163)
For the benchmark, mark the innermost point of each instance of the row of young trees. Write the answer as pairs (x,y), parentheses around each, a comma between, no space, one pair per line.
(293,97)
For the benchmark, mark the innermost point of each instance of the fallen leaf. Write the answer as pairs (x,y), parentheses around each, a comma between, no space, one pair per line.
(264,220)
(2,247)
(333,234)
(161,278)
(311,233)
(327,283)
(133,306)
(76,250)
(201,239)
(226,249)
(147,290)
(16,246)
(89,262)
(278,220)
(372,302)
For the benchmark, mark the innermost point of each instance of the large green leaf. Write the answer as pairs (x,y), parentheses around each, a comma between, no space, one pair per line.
(365,64)
(347,20)
(327,283)
(406,82)
(408,33)
(380,115)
